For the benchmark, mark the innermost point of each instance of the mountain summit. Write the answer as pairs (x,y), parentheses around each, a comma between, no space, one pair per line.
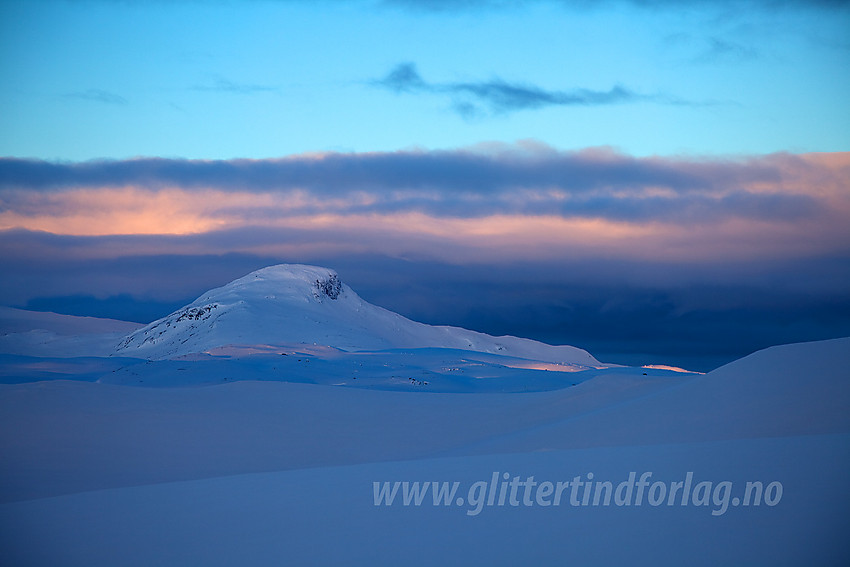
(291,304)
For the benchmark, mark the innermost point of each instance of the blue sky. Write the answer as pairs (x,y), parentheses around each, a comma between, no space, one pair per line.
(655,181)
(257,79)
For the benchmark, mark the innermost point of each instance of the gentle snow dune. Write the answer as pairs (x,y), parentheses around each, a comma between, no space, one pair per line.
(268,473)
(799,389)
(325,516)
(126,436)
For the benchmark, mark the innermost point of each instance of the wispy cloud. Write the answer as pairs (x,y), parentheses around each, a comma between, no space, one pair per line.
(713,49)
(97,95)
(498,96)
(719,49)
(222,85)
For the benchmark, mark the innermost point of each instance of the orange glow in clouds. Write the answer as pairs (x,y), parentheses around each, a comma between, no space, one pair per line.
(355,221)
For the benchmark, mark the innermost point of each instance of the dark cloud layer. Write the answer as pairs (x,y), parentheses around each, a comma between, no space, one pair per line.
(505,167)
(529,180)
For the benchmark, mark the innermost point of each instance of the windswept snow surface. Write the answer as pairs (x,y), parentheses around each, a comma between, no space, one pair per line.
(206,440)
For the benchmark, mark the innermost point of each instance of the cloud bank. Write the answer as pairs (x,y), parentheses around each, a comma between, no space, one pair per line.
(524,196)
(659,257)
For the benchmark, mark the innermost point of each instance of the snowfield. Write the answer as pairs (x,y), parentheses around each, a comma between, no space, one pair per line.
(257,425)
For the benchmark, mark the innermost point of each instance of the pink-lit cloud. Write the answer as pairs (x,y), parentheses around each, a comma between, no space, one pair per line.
(481,203)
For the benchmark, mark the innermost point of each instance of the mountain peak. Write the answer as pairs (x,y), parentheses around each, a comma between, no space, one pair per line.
(290,272)
(291,304)
(321,283)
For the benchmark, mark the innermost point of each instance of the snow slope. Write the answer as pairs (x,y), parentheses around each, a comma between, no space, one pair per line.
(269,473)
(35,333)
(272,405)
(296,304)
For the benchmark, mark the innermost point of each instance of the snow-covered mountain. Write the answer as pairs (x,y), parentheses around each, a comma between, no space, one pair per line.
(292,304)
